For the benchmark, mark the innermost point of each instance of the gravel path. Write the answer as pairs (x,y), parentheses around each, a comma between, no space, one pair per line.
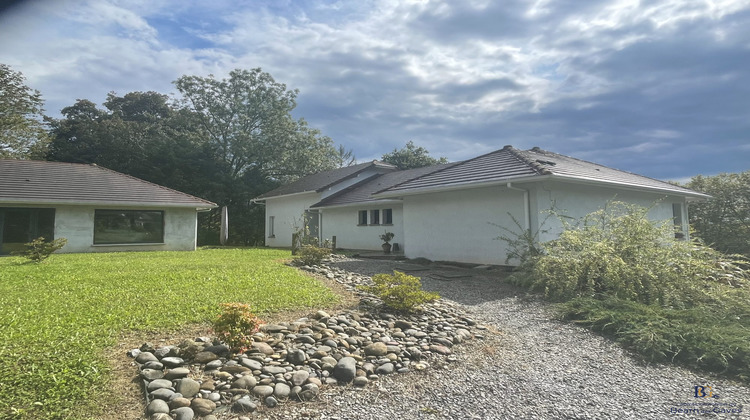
(535,367)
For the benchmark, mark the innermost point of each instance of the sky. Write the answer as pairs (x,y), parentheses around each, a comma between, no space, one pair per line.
(656,87)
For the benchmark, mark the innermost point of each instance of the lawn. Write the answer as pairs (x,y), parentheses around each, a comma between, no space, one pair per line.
(58,317)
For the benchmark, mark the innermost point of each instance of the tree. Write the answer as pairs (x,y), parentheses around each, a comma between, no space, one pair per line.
(411,156)
(22,131)
(724,220)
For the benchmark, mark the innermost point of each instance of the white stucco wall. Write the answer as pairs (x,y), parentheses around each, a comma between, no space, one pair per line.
(76,224)
(576,201)
(287,213)
(456,225)
(342,223)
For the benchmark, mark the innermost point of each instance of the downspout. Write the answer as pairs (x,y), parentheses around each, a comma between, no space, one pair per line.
(526,205)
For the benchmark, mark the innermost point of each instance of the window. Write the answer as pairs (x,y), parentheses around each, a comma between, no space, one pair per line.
(270,227)
(387,216)
(128,227)
(374,217)
(362,218)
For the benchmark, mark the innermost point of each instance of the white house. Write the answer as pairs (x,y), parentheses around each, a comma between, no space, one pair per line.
(95,209)
(449,212)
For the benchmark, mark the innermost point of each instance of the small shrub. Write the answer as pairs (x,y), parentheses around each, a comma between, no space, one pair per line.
(235,326)
(400,291)
(311,255)
(40,249)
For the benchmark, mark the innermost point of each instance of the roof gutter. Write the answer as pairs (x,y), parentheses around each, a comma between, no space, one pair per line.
(460,186)
(12,201)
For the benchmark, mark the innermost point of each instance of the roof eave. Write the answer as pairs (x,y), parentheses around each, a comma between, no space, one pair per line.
(261,198)
(357,204)
(626,185)
(28,202)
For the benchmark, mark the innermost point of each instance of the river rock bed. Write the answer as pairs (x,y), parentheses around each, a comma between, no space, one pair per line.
(292,361)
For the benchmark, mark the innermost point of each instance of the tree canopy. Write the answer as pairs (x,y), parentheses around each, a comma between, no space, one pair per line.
(411,156)
(22,131)
(225,140)
(724,220)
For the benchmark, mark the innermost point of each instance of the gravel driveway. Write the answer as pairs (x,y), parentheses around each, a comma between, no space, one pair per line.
(535,367)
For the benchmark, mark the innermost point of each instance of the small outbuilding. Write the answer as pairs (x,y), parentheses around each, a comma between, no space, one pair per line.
(94,208)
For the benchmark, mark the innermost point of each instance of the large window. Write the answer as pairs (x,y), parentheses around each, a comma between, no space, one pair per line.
(128,227)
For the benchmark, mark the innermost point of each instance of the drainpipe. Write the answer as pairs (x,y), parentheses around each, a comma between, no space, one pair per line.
(526,205)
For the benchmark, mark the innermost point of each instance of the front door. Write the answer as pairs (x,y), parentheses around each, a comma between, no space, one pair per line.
(21,225)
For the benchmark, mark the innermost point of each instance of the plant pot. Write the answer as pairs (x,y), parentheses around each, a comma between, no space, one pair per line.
(386,248)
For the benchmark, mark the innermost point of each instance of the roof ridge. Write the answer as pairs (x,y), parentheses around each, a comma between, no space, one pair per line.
(538,167)
(348,189)
(142,180)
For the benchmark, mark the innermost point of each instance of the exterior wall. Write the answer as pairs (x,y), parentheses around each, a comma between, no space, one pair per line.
(76,224)
(576,201)
(457,225)
(342,222)
(287,212)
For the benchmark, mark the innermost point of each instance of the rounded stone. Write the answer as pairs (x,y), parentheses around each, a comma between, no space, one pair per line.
(345,370)
(205,357)
(385,369)
(160,416)
(158,383)
(245,382)
(202,406)
(153,365)
(251,364)
(360,381)
(263,348)
(145,357)
(244,405)
(300,377)
(188,387)
(179,402)
(296,357)
(157,406)
(214,364)
(376,349)
(151,374)
(162,393)
(263,390)
(177,373)
(271,402)
(172,361)
(281,390)
(184,413)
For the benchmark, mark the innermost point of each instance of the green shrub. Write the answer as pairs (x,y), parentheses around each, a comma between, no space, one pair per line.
(619,252)
(400,291)
(707,338)
(40,249)
(236,325)
(311,255)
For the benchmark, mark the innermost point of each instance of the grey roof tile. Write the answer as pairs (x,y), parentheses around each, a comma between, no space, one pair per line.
(362,192)
(322,180)
(29,181)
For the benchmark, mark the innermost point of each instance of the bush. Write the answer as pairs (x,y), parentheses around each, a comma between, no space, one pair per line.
(619,252)
(706,338)
(235,326)
(311,255)
(400,291)
(39,249)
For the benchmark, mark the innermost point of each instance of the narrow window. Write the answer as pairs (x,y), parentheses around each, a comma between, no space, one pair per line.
(387,216)
(128,227)
(362,218)
(678,220)
(374,217)
(270,227)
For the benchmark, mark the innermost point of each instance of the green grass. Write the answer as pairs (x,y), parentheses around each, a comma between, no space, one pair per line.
(58,317)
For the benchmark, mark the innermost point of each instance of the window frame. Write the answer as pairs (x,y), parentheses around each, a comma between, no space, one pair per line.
(387,221)
(271,220)
(375,217)
(132,212)
(362,218)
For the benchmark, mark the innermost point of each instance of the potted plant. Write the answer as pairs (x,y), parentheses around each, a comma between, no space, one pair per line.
(386,238)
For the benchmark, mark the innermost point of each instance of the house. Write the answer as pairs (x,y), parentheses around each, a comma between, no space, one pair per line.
(94,208)
(452,211)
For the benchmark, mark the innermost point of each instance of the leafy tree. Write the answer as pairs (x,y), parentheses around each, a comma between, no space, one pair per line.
(22,131)
(724,220)
(411,156)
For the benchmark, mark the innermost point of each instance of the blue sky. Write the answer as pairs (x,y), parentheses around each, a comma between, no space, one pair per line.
(660,87)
